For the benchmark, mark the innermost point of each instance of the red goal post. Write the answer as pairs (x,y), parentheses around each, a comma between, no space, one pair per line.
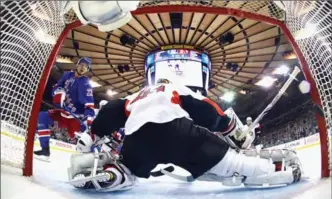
(24,124)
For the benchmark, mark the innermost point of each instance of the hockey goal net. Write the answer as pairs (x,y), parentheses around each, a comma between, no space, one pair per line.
(32,33)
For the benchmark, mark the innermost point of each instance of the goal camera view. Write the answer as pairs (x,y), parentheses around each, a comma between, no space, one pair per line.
(185,72)
(248,113)
(179,66)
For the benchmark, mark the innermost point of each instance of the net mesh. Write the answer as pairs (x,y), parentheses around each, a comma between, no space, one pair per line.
(310,23)
(29,31)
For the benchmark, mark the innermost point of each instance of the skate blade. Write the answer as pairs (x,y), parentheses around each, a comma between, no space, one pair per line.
(42,158)
(101,177)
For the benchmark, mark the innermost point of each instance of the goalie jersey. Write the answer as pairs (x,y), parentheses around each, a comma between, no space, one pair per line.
(79,95)
(159,104)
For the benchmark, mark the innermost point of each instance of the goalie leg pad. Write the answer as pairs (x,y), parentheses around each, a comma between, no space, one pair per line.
(284,157)
(237,168)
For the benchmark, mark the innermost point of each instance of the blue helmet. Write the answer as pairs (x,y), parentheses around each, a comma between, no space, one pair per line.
(86,60)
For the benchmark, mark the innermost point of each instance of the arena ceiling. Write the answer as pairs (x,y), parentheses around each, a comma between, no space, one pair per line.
(258,48)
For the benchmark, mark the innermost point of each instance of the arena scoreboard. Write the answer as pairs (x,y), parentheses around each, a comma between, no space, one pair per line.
(182,65)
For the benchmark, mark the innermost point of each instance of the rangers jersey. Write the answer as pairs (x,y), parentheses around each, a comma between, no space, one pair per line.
(79,95)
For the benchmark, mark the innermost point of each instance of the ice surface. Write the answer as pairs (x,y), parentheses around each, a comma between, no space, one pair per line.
(49,179)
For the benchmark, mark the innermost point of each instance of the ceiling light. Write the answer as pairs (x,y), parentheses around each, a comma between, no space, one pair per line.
(44,37)
(289,55)
(243,92)
(266,82)
(111,93)
(309,31)
(281,70)
(38,11)
(94,84)
(62,59)
(228,96)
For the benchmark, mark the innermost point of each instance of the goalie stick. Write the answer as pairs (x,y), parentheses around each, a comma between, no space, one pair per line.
(160,171)
(230,181)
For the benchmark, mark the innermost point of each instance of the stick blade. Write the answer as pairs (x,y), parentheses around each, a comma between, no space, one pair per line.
(160,173)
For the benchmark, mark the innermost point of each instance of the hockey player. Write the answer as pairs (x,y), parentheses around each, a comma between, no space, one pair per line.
(159,131)
(254,134)
(73,95)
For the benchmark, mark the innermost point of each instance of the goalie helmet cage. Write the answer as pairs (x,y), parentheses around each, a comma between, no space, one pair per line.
(32,34)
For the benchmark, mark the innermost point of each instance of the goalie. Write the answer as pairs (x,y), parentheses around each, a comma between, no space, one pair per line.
(159,131)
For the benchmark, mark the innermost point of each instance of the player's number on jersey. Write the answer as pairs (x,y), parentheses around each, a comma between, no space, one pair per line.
(89,92)
(145,92)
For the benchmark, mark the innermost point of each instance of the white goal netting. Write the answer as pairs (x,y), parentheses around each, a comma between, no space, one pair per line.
(310,23)
(29,31)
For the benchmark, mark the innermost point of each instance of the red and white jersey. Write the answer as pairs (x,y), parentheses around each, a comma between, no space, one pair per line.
(157,104)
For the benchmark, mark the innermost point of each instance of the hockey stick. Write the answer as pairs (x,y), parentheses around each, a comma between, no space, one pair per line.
(160,171)
(79,120)
(189,178)
(72,114)
(292,76)
(230,181)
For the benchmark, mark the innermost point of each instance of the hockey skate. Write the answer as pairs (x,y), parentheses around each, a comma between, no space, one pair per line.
(43,154)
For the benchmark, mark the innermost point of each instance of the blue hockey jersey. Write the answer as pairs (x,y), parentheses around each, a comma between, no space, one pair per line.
(79,95)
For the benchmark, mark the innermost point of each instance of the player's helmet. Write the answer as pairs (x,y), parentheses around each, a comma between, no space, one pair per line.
(85,60)
(249,120)
(163,81)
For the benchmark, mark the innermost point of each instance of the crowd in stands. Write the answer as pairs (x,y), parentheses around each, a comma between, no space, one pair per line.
(297,123)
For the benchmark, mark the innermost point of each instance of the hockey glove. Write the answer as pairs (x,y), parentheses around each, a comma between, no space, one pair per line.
(59,97)
(86,125)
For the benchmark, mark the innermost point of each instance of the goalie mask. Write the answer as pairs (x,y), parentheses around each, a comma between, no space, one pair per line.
(106,15)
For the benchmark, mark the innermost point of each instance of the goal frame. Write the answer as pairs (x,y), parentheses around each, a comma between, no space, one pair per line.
(325,170)
(29,142)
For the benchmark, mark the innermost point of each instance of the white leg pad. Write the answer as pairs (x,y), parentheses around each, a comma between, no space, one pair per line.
(236,168)
(267,180)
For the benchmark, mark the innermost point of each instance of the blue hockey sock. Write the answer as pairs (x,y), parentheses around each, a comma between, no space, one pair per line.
(44,137)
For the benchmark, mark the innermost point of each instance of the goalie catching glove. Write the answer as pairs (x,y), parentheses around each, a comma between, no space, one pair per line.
(233,134)
(59,96)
